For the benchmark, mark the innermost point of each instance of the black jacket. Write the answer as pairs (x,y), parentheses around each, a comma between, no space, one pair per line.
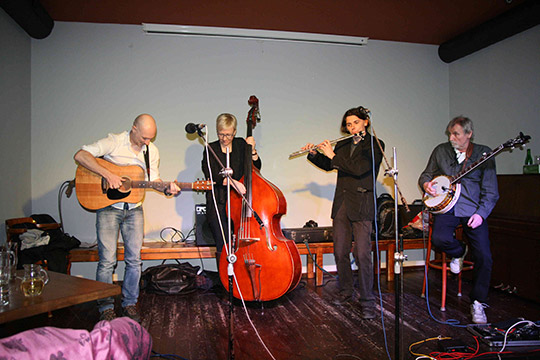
(354,179)
(237,156)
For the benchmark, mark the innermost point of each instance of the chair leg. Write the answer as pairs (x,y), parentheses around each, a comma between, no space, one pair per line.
(459,285)
(426,271)
(428,262)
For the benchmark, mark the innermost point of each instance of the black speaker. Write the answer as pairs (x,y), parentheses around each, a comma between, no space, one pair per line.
(203,235)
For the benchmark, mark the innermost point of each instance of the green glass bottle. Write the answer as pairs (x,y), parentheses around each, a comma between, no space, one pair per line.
(528,158)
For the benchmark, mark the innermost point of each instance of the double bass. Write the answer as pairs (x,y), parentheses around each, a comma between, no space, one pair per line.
(268,265)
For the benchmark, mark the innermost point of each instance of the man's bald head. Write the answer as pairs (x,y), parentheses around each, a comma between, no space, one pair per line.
(143,130)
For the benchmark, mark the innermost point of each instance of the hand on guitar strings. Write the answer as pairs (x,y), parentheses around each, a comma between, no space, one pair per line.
(428,188)
(172,189)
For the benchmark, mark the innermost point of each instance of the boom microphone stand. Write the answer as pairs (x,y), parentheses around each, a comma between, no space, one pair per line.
(399,257)
(231,257)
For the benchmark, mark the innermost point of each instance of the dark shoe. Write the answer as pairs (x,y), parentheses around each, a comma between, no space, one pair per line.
(108,315)
(342,299)
(132,313)
(368,312)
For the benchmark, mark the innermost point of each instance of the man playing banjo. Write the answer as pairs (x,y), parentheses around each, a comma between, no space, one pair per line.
(468,205)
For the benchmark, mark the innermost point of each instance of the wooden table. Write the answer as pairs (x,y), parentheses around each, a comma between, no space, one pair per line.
(61,291)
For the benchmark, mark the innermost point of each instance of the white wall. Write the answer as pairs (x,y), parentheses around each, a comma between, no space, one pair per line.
(90,79)
(499,89)
(15,186)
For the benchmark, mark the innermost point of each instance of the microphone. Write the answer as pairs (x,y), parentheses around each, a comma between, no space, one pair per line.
(192,128)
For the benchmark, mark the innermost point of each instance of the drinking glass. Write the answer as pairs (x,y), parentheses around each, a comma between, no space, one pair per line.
(5,272)
(34,280)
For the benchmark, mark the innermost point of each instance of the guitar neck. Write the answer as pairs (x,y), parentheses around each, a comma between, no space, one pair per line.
(160,185)
(476,164)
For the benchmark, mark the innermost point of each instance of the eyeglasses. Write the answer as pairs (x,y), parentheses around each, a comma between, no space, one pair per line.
(225,136)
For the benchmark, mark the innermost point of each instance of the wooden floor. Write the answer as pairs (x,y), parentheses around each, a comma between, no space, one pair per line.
(303,324)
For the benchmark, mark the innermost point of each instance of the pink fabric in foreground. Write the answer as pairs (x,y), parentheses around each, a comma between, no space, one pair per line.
(121,338)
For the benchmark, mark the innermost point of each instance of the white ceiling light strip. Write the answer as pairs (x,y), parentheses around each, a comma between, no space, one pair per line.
(187,30)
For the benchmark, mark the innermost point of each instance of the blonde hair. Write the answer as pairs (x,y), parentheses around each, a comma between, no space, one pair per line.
(226,121)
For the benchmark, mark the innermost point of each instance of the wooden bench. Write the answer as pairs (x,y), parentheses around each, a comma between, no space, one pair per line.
(167,250)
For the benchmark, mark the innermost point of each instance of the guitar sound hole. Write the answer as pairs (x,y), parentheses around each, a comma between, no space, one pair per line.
(115,194)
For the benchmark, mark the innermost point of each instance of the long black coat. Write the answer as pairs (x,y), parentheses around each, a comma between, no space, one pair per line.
(354,179)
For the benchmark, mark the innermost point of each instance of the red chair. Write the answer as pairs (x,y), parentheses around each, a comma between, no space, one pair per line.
(441,262)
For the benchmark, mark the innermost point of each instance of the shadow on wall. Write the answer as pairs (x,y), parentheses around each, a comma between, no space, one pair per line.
(318,190)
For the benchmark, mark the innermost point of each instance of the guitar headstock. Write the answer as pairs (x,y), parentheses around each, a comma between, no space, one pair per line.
(201,185)
(253,116)
(517,141)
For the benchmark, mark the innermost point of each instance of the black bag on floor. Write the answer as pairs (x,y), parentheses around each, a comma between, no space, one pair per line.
(170,279)
(385,216)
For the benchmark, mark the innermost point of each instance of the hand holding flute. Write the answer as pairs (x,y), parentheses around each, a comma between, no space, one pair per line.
(325,147)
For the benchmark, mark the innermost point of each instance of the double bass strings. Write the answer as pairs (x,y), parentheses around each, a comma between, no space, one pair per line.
(228,253)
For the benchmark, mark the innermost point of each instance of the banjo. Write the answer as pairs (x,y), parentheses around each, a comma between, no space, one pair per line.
(448,188)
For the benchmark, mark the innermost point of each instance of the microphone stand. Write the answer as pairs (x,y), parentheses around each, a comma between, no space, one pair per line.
(399,257)
(231,257)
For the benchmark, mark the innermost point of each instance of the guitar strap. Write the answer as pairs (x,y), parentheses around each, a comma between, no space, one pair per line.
(468,154)
(147,160)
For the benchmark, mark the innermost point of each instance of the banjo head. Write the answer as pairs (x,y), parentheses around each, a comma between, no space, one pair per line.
(446,195)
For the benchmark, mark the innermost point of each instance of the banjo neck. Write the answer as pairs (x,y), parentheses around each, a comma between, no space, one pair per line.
(510,144)
(485,157)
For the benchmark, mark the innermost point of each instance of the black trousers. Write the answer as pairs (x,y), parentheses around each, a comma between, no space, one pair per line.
(213,222)
(345,231)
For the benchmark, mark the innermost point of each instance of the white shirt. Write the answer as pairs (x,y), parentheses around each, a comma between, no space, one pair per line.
(460,155)
(117,149)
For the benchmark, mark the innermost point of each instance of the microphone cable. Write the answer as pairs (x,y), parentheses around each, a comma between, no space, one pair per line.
(229,251)
(373,172)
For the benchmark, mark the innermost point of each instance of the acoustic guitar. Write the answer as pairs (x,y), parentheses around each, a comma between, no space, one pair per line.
(93,190)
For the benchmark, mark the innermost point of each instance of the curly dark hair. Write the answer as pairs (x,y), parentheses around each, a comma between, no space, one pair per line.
(361,112)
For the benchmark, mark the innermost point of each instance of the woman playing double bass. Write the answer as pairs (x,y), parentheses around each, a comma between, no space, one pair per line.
(353,210)
(226,130)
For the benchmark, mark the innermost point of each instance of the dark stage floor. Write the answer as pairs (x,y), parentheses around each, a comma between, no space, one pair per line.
(304,324)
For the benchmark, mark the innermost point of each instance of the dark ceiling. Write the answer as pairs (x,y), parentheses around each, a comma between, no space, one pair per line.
(415,21)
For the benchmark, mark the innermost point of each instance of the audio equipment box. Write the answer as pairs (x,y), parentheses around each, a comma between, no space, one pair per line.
(311,234)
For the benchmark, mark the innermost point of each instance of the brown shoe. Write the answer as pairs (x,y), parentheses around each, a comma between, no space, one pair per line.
(108,315)
(132,313)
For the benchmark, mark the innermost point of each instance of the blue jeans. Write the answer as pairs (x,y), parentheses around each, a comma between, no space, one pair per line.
(130,223)
(443,239)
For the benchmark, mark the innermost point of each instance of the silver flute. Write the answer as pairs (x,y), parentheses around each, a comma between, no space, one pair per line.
(302,152)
